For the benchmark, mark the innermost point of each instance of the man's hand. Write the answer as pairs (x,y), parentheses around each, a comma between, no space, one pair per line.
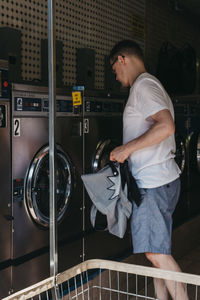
(120,154)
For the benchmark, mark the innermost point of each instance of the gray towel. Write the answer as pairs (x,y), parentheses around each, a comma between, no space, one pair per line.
(106,193)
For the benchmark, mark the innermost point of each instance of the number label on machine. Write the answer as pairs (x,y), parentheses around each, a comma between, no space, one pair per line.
(16,127)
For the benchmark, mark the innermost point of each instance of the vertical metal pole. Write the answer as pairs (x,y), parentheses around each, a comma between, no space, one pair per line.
(52,150)
(83,164)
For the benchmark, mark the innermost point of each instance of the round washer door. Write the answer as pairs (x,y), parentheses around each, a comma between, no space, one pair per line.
(100,159)
(180,157)
(102,154)
(37,185)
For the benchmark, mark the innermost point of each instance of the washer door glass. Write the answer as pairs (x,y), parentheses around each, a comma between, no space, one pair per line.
(102,154)
(180,153)
(37,186)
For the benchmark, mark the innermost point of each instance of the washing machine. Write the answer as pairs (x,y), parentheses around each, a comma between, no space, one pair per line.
(30,179)
(187,116)
(103,123)
(5,182)
(181,213)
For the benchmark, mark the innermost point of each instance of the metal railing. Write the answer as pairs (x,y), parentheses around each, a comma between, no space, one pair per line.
(102,280)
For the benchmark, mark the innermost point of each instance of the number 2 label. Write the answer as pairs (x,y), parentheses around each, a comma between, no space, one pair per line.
(16,127)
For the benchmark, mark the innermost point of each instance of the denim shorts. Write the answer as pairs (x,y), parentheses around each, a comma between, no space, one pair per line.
(151,222)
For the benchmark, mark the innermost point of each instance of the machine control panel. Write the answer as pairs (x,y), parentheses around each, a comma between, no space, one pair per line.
(31,100)
(105,106)
(61,105)
(28,104)
(93,106)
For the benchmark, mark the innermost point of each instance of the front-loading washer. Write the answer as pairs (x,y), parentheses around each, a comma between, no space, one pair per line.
(30,177)
(188,124)
(103,118)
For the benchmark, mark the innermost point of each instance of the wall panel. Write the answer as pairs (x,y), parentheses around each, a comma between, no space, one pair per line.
(95,24)
(165,23)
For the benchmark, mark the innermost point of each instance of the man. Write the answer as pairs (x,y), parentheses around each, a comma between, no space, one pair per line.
(149,146)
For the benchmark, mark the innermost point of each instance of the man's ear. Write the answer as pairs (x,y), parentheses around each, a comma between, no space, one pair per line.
(121,59)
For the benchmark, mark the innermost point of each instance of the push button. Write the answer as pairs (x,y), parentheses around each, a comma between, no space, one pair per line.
(5,84)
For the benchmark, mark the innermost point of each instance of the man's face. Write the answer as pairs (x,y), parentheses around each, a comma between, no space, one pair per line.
(118,67)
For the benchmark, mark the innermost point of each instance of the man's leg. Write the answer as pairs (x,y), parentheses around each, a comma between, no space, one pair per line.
(161,291)
(167,262)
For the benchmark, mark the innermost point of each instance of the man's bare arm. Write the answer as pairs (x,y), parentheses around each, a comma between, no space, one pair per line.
(162,128)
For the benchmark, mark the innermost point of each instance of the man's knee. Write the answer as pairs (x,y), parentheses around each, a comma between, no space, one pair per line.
(154,258)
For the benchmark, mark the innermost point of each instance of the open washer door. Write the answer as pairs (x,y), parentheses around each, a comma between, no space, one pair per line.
(37,185)
(98,241)
(102,154)
(194,149)
(100,159)
(180,157)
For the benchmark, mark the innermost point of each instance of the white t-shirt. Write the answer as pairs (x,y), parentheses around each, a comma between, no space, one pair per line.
(155,165)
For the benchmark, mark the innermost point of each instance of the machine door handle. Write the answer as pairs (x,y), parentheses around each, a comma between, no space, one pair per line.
(8,217)
(86,127)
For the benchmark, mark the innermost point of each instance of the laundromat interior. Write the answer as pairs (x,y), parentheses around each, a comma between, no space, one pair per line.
(88,125)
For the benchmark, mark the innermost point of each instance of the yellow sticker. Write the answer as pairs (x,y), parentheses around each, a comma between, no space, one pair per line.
(76,98)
